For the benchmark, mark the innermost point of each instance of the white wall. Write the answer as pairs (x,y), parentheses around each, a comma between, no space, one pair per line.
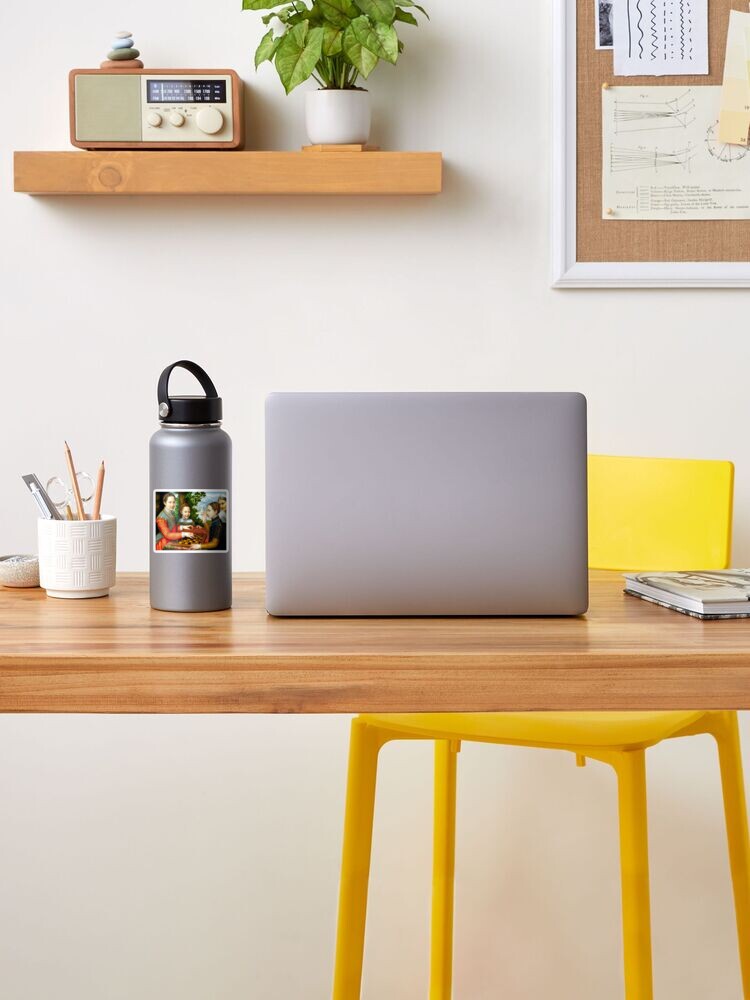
(198,857)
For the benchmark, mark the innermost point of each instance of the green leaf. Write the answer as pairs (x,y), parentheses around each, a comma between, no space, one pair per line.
(361,58)
(297,55)
(380,39)
(267,48)
(333,40)
(289,15)
(410,3)
(383,11)
(281,14)
(338,12)
(389,41)
(406,17)
(261,4)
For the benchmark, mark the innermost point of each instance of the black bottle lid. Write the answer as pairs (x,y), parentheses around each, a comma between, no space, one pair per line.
(188,409)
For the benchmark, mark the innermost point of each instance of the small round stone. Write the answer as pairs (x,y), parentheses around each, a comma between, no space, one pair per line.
(123,54)
(19,571)
(121,64)
(122,43)
(124,34)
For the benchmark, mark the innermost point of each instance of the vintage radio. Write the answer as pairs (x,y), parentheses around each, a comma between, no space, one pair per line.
(156,109)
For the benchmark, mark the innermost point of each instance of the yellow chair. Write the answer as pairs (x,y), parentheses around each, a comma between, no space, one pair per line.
(644,513)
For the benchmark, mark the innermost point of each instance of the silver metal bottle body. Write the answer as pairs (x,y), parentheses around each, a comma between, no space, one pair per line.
(189,458)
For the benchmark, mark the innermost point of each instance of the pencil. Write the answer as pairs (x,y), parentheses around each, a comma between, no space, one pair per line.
(74,484)
(96,514)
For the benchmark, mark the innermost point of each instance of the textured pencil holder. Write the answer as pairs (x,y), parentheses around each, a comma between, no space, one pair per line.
(77,558)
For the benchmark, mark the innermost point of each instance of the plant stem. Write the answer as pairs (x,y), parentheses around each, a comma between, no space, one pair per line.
(335,73)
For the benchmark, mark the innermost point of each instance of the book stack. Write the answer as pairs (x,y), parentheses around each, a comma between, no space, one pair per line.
(707,595)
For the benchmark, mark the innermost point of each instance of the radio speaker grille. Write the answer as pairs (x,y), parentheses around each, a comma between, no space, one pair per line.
(108,108)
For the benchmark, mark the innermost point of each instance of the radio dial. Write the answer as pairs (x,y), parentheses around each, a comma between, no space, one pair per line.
(154,119)
(176,119)
(210,120)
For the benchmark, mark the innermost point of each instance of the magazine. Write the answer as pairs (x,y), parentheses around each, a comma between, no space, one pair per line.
(706,594)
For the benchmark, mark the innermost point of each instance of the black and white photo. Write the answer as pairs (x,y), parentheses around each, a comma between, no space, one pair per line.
(603,14)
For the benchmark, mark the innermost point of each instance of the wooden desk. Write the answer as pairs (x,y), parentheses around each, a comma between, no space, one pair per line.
(117,655)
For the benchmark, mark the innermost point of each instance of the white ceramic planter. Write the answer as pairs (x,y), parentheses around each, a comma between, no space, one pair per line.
(334,117)
(77,558)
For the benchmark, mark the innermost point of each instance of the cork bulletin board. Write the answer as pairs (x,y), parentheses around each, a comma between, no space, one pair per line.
(589,250)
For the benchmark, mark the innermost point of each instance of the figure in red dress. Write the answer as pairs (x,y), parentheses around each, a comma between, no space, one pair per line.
(167,528)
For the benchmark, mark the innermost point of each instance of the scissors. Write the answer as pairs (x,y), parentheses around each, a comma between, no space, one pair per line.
(62,495)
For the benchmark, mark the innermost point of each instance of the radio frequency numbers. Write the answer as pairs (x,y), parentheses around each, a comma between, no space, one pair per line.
(186,91)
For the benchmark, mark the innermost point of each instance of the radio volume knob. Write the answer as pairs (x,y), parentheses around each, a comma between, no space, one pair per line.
(154,119)
(210,120)
(176,119)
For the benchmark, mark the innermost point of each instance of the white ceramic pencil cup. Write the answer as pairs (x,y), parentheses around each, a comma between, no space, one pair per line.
(77,558)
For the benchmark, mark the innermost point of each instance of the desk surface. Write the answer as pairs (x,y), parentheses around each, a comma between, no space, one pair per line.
(117,655)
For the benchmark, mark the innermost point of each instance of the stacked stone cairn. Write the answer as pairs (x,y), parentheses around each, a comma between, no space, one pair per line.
(122,54)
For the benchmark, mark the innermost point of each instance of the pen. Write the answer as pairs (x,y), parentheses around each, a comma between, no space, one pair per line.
(46,508)
(40,503)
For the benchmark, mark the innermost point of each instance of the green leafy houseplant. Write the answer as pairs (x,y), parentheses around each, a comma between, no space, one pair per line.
(333,41)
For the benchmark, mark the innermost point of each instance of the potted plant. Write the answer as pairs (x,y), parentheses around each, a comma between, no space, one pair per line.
(335,42)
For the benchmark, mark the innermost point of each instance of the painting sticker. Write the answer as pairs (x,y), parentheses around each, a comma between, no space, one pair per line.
(191,520)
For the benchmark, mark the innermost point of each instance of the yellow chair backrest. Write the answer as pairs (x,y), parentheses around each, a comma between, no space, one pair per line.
(659,513)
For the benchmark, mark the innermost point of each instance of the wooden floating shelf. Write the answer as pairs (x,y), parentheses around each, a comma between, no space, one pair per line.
(122,172)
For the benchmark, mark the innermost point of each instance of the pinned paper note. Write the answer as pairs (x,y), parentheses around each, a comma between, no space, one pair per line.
(660,37)
(734,117)
(662,157)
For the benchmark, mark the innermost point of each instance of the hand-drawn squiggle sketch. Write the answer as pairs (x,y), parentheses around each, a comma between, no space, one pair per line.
(660,37)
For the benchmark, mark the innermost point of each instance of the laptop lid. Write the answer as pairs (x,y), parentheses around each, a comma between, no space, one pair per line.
(426,504)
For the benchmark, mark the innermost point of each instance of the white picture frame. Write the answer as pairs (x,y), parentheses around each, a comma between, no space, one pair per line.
(567,270)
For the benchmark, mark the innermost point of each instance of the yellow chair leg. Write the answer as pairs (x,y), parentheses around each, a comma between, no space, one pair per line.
(365,742)
(636,909)
(735,809)
(443,870)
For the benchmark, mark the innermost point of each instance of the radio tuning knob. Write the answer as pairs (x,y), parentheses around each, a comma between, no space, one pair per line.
(154,119)
(210,120)
(176,119)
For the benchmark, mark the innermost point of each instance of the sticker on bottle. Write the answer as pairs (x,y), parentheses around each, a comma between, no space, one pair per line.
(191,520)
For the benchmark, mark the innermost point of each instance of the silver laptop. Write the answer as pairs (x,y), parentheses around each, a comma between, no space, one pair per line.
(426,503)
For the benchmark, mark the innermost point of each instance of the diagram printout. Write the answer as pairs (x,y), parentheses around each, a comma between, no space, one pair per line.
(660,37)
(662,157)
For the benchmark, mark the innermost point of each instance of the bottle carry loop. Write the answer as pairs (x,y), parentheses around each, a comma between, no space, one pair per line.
(188,409)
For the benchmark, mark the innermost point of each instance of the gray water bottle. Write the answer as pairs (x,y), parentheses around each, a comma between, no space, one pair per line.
(190,498)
